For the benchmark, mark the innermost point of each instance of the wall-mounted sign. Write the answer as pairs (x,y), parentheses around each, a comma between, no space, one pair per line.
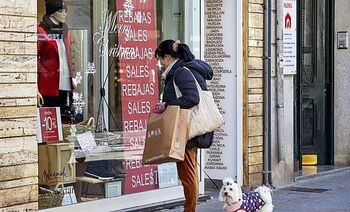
(289,36)
(221,53)
(49,124)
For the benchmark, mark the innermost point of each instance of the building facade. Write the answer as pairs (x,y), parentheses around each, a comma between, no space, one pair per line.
(274,121)
(311,97)
(110,52)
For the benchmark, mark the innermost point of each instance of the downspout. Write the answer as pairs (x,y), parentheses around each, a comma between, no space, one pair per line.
(279,80)
(267,92)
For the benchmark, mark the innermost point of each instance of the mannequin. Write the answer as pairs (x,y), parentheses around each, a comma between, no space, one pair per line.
(55,69)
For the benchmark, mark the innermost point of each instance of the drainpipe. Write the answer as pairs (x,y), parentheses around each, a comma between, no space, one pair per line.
(267,92)
(279,80)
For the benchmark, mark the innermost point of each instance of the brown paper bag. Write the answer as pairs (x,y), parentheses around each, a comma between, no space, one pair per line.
(166,136)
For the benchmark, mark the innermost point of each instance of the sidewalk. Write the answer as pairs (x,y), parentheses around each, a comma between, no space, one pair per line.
(322,194)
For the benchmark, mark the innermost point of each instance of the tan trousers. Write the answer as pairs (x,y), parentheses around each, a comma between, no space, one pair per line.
(187,171)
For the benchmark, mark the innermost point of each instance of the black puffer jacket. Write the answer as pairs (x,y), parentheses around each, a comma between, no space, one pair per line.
(186,84)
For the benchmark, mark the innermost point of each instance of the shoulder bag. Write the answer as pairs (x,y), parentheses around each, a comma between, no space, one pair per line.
(205,116)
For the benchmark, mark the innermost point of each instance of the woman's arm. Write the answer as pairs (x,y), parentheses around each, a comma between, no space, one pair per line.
(186,84)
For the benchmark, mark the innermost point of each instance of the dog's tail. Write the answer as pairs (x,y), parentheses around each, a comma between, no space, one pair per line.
(265,193)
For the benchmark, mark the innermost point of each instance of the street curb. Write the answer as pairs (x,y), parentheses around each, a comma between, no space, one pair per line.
(166,205)
(320,174)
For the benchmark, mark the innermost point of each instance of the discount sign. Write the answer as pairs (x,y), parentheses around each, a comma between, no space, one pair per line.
(49,124)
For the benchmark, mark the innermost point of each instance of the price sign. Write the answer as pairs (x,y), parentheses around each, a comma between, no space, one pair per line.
(69,196)
(49,124)
(86,141)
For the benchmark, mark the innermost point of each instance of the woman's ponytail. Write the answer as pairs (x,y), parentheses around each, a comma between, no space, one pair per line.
(175,49)
(184,53)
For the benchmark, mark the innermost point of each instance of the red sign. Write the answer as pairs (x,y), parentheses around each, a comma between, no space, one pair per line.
(49,124)
(139,86)
(138,177)
(287,21)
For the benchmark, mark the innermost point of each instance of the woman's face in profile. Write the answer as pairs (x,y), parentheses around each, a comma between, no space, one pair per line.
(164,61)
(60,15)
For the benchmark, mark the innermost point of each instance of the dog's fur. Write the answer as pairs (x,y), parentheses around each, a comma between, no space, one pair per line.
(231,195)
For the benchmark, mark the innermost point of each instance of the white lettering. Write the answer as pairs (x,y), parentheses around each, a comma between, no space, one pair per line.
(143,107)
(133,163)
(138,89)
(145,179)
(137,143)
(135,125)
(137,71)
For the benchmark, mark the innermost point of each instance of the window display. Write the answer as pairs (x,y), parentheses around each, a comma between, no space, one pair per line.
(96,63)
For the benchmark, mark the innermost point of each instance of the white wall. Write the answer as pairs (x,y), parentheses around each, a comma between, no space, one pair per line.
(282,171)
(341,88)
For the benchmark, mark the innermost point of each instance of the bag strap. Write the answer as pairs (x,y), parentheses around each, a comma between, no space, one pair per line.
(177,90)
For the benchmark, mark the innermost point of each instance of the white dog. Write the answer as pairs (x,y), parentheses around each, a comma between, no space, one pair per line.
(258,200)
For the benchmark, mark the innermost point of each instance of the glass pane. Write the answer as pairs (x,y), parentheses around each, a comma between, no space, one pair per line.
(307,74)
(97,64)
(308,120)
(307,23)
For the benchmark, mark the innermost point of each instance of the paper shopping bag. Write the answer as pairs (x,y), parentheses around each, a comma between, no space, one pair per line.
(166,136)
(183,131)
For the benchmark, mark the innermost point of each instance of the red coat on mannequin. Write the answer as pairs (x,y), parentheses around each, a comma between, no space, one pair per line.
(48,63)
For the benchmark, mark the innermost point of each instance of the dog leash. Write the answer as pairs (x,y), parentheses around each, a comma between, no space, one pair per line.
(217,187)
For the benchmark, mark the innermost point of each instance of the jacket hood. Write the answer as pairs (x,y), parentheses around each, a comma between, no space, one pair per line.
(201,67)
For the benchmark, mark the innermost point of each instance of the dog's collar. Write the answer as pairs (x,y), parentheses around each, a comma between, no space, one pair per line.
(235,206)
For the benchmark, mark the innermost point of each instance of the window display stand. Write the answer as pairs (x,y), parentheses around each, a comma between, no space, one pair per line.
(107,191)
(104,100)
(96,187)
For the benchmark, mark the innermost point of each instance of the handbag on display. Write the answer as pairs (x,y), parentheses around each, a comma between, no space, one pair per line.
(205,116)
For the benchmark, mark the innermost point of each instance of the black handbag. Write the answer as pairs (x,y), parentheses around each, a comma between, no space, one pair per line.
(202,141)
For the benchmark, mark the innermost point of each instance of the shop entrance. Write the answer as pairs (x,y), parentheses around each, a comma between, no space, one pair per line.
(314,141)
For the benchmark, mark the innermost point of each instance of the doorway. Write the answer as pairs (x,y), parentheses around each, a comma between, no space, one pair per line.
(314,110)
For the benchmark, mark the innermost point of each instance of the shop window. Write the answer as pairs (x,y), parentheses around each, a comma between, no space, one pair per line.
(98,81)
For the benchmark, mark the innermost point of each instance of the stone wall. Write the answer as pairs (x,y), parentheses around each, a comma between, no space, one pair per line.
(253,148)
(18,141)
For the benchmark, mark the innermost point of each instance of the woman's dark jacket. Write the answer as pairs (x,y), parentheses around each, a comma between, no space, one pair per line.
(186,84)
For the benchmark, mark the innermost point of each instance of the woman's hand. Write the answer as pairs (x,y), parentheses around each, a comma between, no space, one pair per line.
(159,108)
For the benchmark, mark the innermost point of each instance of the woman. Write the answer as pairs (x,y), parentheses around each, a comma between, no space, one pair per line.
(173,57)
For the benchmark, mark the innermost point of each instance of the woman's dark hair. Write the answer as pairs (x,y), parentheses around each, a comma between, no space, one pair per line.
(176,50)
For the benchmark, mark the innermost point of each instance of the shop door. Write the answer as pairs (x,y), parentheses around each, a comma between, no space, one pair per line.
(313,82)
